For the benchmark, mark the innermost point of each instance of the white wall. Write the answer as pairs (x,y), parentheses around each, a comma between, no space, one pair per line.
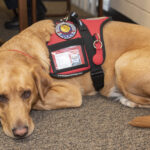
(90,5)
(106,4)
(137,10)
(87,5)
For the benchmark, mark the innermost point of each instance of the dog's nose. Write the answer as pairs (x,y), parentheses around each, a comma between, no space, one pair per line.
(20,132)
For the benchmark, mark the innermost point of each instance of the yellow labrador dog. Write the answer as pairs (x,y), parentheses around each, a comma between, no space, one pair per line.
(26,84)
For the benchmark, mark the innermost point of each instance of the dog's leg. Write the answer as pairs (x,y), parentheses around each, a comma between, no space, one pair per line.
(133,76)
(60,95)
(55,94)
(133,80)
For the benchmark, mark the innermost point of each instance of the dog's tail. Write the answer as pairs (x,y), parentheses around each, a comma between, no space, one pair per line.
(143,121)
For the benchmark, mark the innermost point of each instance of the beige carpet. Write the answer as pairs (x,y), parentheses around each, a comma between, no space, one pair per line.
(99,124)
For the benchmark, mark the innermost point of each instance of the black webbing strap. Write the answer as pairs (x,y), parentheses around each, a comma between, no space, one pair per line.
(97,73)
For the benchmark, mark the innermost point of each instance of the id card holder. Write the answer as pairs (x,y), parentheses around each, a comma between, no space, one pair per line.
(68,59)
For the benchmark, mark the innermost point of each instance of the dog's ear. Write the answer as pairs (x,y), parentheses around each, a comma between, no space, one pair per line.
(42,81)
(143,121)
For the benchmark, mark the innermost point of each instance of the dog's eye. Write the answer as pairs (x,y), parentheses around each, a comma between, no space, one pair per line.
(26,94)
(3,98)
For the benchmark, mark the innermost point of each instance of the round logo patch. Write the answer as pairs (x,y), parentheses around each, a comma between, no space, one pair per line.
(65,30)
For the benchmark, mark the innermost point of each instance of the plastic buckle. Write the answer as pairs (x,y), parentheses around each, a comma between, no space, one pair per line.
(65,19)
(98,79)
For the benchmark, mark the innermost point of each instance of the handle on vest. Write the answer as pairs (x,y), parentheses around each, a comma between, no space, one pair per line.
(74,18)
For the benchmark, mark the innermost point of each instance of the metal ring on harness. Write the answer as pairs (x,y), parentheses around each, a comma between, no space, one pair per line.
(97,41)
(65,19)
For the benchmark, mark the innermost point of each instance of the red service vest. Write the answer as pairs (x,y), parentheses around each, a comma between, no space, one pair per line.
(77,48)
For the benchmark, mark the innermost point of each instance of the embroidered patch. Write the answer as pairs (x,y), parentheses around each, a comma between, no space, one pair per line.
(65,30)
(68,57)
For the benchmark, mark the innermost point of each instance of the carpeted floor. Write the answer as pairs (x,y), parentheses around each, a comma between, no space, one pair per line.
(99,124)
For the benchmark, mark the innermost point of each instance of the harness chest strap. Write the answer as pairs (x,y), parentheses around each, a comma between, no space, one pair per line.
(96,71)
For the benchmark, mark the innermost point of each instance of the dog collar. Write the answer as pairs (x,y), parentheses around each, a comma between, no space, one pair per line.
(23,53)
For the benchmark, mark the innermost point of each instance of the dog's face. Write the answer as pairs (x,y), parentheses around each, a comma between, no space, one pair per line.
(18,92)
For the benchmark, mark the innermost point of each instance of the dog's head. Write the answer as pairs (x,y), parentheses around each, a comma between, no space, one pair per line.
(20,86)
(25,82)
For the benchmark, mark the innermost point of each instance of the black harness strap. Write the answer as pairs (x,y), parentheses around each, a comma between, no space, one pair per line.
(97,74)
